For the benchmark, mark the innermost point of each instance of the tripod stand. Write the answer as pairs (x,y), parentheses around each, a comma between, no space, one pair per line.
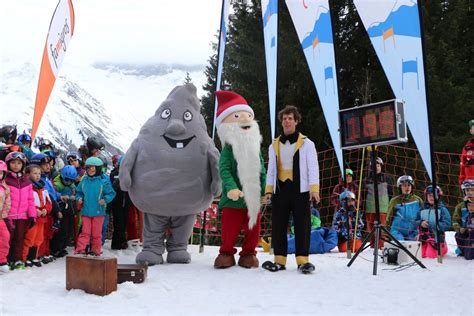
(379,228)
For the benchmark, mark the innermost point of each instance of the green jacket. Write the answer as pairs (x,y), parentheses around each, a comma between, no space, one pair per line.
(399,199)
(457,216)
(230,180)
(62,189)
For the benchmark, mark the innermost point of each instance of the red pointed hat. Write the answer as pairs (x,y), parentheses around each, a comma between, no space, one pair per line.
(228,103)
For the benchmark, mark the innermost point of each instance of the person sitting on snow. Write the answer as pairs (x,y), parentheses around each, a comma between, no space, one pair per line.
(463,221)
(404,210)
(427,224)
(345,220)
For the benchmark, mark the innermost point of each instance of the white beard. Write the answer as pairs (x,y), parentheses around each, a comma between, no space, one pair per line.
(246,149)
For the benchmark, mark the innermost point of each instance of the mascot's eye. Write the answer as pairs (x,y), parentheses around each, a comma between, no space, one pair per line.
(166,113)
(236,115)
(188,116)
(250,115)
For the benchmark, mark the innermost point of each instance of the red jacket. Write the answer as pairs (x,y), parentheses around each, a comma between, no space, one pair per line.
(21,194)
(467,162)
(42,201)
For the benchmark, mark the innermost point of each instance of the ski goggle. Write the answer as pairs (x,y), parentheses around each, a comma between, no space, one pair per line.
(18,155)
(49,153)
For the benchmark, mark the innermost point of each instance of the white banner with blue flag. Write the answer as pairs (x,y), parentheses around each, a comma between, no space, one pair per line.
(220,54)
(394,30)
(312,20)
(270,35)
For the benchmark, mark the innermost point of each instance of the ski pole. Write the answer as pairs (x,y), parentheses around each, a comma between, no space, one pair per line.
(358,197)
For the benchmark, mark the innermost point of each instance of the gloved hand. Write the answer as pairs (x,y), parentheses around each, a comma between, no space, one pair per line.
(31,221)
(56,226)
(9,224)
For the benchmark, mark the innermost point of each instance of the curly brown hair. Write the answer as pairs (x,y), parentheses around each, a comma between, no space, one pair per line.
(289,109)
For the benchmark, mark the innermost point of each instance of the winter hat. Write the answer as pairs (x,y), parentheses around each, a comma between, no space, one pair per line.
(228,103)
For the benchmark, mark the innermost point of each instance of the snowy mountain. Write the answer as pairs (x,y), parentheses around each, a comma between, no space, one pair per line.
(110,101)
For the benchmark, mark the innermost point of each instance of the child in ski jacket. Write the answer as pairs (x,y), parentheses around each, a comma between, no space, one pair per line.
(64,185)
(346,221)
(5,203)
(427,225)
(404,211)
(22,213)
(464,227)
(35,235)
(93,192)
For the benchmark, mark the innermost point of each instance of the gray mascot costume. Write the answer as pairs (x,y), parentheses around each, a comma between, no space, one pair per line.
(171,173)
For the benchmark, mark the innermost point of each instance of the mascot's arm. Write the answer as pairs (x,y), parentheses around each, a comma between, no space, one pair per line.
(213,156)
(225,169)
(126,167)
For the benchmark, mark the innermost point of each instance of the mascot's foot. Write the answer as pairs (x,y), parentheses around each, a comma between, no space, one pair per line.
(149,258)
(178,256)
(224,261)
(248,261)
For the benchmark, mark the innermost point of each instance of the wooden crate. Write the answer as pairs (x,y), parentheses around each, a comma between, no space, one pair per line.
(94,275)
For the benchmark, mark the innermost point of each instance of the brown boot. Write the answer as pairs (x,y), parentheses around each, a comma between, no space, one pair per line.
(224,261)
(248,261)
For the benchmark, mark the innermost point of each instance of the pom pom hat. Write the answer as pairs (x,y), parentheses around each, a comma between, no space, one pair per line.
(228,103)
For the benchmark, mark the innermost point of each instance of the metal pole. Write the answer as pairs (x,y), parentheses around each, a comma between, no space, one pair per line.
(377,210)
(217,68)
(433,165)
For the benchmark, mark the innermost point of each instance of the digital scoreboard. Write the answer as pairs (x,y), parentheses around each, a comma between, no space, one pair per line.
(379,123)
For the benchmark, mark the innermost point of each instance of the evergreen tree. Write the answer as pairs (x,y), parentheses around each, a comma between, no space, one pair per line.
(448,43)
(187,79)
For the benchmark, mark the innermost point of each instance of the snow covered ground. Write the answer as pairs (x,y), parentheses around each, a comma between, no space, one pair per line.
(197,288)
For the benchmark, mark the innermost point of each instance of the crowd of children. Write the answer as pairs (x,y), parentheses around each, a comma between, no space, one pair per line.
(47,206)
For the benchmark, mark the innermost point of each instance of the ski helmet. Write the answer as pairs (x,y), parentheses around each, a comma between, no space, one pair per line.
(467,184)
(40,158)
(429,189)
(96,162)
(93,143)
(73,155)
(3,166)
(16,155)
(24,137)
(8,133)
(44,144)
(344,196)
(405,179)
(69,173)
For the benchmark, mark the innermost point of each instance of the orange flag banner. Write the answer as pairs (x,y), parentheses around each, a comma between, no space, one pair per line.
(57,43)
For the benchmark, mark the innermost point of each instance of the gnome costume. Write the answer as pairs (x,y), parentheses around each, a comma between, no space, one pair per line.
(243,175)
(171,173)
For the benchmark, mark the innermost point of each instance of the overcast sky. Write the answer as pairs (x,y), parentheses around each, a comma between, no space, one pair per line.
(132,31)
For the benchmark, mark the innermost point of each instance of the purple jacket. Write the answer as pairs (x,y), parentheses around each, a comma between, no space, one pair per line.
(21,195)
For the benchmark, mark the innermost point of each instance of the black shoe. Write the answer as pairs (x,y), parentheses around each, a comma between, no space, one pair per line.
(36,263)
(63,253)
(93,254)
(273,266)
(45,260)
(28,264)
(306,268)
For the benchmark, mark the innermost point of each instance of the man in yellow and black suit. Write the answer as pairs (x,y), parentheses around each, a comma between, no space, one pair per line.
(292,183)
